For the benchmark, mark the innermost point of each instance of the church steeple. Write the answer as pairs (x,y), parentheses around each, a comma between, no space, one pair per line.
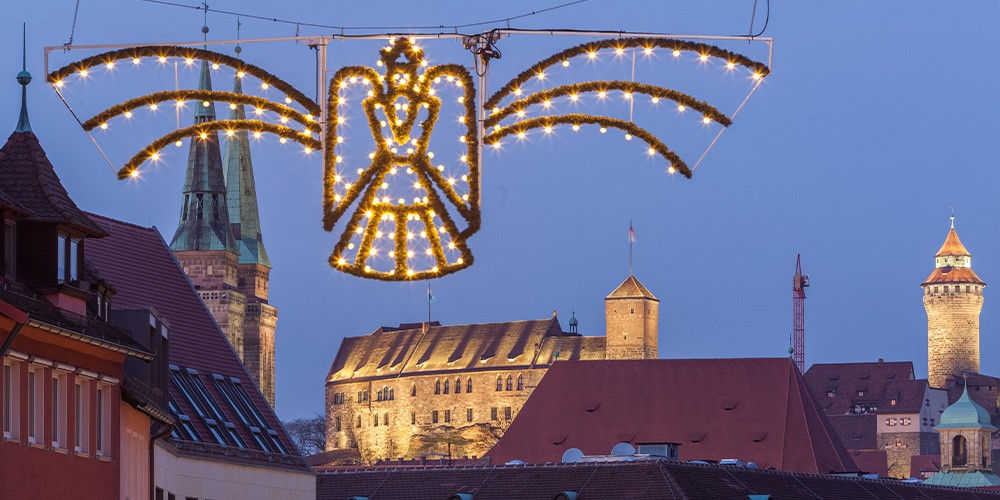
(24,78)
(241,192)
(204,219)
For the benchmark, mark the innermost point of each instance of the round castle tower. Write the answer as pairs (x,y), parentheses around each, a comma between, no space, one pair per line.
(953,299)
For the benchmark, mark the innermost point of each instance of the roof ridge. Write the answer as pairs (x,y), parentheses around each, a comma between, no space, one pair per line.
(123,222)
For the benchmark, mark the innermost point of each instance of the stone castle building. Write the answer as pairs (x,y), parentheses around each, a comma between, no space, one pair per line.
(953,299)
(427,390)
(219,243)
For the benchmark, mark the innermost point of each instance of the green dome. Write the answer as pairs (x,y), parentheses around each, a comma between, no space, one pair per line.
(965,413)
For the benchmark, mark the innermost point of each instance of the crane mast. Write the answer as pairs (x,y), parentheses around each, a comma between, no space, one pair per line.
(799,283)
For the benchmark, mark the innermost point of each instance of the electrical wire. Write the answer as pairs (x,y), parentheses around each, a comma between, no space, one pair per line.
(753,16)
(363,28)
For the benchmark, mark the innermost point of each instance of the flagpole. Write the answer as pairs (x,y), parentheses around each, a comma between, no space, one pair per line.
(630,248)
(428,303)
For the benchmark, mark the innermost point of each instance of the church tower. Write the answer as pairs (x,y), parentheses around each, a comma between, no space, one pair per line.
(253,267)
(204,243)
(966,458)
(632,316)
(953,298)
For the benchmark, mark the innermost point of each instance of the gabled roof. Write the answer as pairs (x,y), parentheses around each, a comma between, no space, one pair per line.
(28,179)
(880,381)
(389,352)
(953,246)
(136,261)
(921,465)
(654,479)
(753,409)
(631,288)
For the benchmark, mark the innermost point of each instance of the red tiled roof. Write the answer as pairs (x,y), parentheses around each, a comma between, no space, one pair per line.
(27,177)
(924,464)
(143,271)
(631,288)
(756,410)
(952,246)
(872,461)
(953,275)
(654,479)
(856,432)
(8,203)
(880,382)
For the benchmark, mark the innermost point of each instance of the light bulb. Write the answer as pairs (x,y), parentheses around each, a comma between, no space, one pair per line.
(706,120)
(203,135)
(565,63)
(681,107)
(215,65)
(677,53)
(651,151)
(648,51)
(656,100)
(757,75)
(541,75)
(240,74)
(153,107)
(178,144)
(135,60)
(104,126)
(628,137)
(232,106)
(84,73)
(603,130)
(110,65)
(576,127)
(730,65)
(591,55)
(703,57)
(619,51)
(671,170)
(282,140)
(188,61)
(517,91)
(256,135)
(134,174)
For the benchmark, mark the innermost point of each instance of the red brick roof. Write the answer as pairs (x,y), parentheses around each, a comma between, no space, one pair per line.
(752,409)
(953,275)
(143,271)
(872,461)
(856,432)
(953,246)
(652,479)
(923,466)
(27,178)
(880,382)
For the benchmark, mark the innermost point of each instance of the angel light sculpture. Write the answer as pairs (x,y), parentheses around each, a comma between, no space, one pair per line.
(424,238)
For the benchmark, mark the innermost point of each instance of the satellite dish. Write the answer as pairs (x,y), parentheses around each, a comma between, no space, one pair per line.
(572,456)
(623,449)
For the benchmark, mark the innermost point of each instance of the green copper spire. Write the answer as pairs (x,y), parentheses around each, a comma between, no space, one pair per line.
(24,78)
(241,192)
(204,220)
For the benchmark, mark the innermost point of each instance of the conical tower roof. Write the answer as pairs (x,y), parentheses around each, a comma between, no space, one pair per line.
(964,414)
(204,220)
(241,192)
(953,246)
(631,288)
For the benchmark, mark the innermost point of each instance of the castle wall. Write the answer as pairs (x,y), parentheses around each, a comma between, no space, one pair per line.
(632,328)
(405,426)
(952,331)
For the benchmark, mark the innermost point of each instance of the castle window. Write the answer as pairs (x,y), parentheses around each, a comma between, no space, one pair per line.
(493,414)
(935,289)
(468,385)
(499,383)
(924,421)
(446,385)
(392,394)
(413,390)
(861,393)
(413,417)
(506,413)
(359,396)
(959,452)
(385,419)
(946,289)
(458,386)
(831,393)
(379,396)
(510,383)
(633,310)
(932,422)
(365,395)
(376,420)
(468,414)
(967,288)
(337,423)
(520,382)
(447,416)
(892,402)
(359,421)
(437,387)
(434,417)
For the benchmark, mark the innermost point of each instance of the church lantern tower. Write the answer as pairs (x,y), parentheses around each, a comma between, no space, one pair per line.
(953,299)
(632,316)
(253,267)
(966,458)
(204,244)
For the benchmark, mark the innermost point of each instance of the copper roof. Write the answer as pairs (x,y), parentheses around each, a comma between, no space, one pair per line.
(953,275)
(145,274)
(754,409)
(630,289)
(389,352)
(952,246)
(28,178)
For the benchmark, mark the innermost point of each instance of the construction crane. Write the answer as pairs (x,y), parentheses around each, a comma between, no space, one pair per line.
(799,283)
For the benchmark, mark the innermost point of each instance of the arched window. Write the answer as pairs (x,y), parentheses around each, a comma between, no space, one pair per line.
(499,383)
(392,394)
(385,419)
(437,387)
(468,385)
(359,421)
(366,395)
(413,389)
(446,385)
(959,452)
(359,396)
(510,383)
(458,386)
(385,393)
(378,396)
(520,382)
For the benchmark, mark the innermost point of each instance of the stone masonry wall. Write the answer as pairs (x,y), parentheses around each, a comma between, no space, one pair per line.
(900,446)
(631,328)
(405,427)
(952,332)
(259,325)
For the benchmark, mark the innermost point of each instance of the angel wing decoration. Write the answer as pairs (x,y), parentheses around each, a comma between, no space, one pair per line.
(410,214)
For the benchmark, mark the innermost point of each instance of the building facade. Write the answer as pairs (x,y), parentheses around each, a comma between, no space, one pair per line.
(219,242)
(953,299)
(426,390)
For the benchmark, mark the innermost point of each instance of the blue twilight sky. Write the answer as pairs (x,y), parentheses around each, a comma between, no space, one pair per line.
(878,117)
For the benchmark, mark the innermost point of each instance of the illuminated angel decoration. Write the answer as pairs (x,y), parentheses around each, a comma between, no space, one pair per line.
(425,232)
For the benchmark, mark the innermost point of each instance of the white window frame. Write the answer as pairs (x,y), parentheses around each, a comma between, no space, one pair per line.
(59,411)
(12,399)
(36,405)
(82,416)
(103,420)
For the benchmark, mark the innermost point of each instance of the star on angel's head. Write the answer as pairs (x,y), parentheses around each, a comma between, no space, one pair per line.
(402,55)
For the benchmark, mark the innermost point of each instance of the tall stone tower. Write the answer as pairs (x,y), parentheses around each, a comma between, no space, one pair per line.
(253,267)
(204,243)
(632,316)
(953,298)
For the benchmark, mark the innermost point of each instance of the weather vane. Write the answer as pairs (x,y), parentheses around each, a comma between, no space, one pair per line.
(426,221)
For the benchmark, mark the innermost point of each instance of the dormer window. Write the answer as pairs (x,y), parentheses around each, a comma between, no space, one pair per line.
(68,258)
